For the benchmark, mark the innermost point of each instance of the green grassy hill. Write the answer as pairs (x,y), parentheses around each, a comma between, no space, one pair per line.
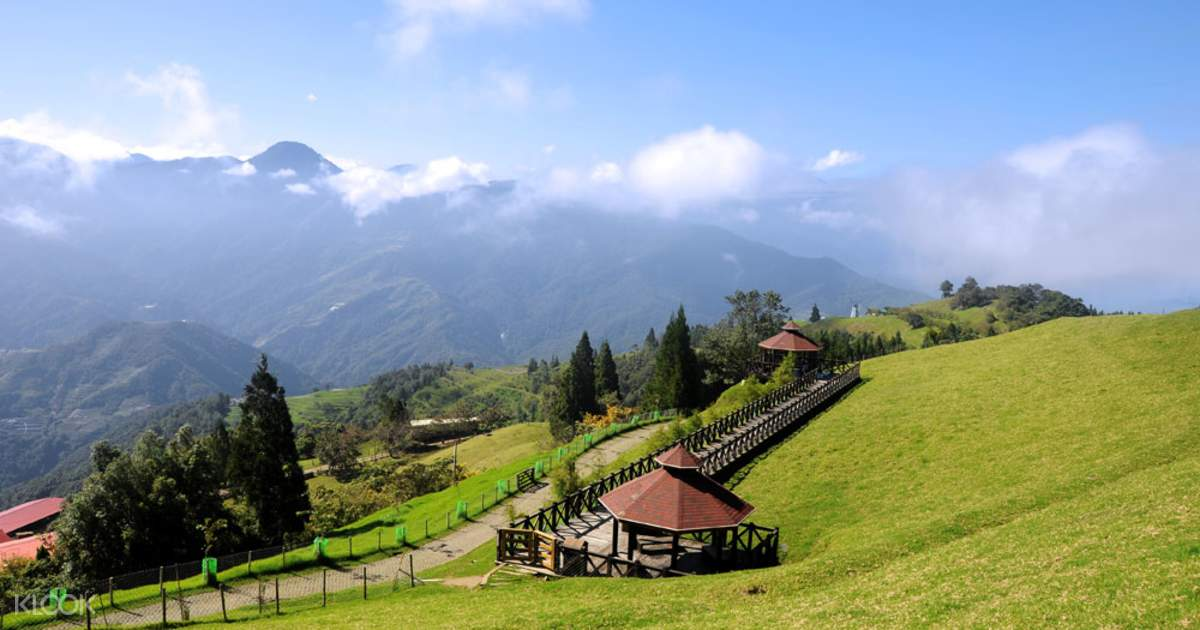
(935,313)
(1047,476)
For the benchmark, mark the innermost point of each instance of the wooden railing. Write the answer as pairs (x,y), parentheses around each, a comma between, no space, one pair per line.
(528,547)
(587,498)
(762,429)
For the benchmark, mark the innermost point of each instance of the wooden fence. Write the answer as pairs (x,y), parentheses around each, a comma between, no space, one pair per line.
(762,416)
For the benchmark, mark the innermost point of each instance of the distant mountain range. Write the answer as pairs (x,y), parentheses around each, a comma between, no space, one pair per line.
(470,275)
(121,368)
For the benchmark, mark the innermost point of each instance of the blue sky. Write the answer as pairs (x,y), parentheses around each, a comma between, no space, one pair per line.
(935,84)
(1055,142)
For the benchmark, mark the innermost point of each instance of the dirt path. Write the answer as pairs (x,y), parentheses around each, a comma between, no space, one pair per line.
(431,554)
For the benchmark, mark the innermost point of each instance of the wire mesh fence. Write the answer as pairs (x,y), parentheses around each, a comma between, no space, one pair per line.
(183,591)
(247,598)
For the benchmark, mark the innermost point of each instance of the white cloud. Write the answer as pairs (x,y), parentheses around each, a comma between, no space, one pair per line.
(549,149)
(283,173)
(415,24)
(836,158)
(84,148)
(1093,208)
(242,169)
(78,144)
(607,172)
(311,98)
(300,189)
(697,167)
(368,190)
(1110,147)
(194,124)
(32,221)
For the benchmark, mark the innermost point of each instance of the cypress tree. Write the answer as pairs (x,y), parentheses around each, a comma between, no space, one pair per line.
(607,381)
(583,375)
(676,382)
(264,465)
(815,315)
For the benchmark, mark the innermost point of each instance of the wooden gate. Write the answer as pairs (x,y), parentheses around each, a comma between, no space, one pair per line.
(528,547)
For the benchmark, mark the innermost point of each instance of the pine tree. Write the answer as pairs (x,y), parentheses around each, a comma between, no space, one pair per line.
(651,341)
(607,381)
(676,382)
(561,410)
(583,375)
(815,316)
(265,469)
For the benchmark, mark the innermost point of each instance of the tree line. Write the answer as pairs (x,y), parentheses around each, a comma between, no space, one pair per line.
(168,500)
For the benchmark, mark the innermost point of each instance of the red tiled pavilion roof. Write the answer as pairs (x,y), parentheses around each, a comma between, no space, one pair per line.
(677,499)
(16,518)
(678,457)
(4,537)
(790,339)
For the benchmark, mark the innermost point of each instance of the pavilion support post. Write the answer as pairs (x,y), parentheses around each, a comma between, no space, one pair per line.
(631,536)
(616,542)
(674,548)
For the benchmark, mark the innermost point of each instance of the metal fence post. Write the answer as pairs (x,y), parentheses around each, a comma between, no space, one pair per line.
(224,613)
(163,593)
(250,562)
(324,591)
(276,594)
(111,602)
(412,577)
(364,581)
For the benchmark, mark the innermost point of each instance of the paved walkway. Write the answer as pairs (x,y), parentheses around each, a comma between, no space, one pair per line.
(453,545)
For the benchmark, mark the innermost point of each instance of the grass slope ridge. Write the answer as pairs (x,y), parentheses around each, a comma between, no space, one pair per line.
(1048,476)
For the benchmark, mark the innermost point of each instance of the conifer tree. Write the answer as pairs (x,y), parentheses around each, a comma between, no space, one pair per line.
(676,382)
(264,465)
(583,376)
(607,381)
(815,315)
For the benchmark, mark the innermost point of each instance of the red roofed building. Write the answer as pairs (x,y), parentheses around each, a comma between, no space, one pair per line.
(677,498)
(30,518)
(789,340)
(25,547)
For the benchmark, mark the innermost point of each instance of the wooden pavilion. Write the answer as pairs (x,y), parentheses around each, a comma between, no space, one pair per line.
(671,501)
(789,340)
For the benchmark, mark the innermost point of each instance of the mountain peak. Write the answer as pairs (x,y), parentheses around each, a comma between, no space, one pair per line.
(298,158)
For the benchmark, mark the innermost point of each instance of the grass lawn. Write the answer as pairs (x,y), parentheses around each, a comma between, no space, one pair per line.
(1050,476)
(492,449)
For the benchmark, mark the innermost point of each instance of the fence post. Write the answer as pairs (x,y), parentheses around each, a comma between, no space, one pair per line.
(447,521)
(276,594)
(111,602)
(87,610)
(250,562)
(412,577)
(364,581)
(160,577)
(351,539)
(324,591)
(224,614)
(427,528)
(379,540)
(163,593)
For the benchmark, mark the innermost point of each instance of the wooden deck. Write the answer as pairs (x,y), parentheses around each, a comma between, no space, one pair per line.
(582,524)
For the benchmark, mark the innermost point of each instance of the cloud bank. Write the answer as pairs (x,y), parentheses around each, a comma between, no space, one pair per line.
(1103,205)
(368,190)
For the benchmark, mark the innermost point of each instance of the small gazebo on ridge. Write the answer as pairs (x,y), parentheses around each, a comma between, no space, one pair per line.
(789,340)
